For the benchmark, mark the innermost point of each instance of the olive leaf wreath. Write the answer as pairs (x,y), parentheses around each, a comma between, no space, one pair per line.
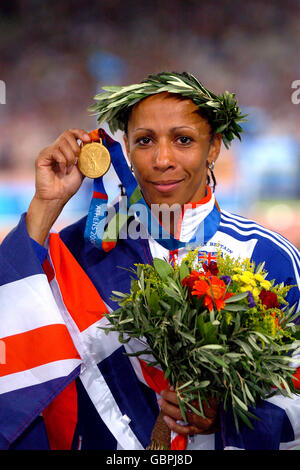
(112,105)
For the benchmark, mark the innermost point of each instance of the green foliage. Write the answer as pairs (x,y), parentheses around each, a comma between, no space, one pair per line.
(236,354)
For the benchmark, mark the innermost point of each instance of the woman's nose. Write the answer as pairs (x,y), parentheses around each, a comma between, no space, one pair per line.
(164,156)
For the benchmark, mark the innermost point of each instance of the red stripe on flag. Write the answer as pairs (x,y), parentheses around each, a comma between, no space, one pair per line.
(80,296)
(37,347)
(48,270)
(154,377)
(179,443)
(61,418)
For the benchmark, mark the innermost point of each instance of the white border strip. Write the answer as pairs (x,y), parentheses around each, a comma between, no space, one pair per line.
(38,375)
(27,304)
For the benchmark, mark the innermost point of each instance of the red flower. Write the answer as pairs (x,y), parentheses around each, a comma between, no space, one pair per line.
(191,279)
(269,299)
(296,379)
(211,268)
(213,291)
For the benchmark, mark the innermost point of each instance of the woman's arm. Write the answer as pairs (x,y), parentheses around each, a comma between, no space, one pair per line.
(57,179)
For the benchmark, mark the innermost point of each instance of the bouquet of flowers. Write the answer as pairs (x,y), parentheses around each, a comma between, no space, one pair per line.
(218,330)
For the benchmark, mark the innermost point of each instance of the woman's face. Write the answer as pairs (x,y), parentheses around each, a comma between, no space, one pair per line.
(169,146)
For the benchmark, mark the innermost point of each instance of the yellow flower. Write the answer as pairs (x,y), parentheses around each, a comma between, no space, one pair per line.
(248,273)
(237,270)
(246,288)
(247,278)
(255,293)
(259,277)
(265,284)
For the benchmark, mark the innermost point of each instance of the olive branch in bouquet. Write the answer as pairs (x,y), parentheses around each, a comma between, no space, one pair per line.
(221,331)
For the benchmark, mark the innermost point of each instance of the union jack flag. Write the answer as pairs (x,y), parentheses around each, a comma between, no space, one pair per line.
(63,373)
(173,257)
(206,257)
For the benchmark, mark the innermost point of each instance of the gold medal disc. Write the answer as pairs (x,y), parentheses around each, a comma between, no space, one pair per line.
(94,160)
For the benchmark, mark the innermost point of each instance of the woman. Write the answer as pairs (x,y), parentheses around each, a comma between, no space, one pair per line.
(172,144)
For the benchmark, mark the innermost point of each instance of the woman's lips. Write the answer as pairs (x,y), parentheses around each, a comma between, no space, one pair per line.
(166,186)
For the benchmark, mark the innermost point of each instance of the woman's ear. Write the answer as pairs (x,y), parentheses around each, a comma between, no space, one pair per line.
(215,147)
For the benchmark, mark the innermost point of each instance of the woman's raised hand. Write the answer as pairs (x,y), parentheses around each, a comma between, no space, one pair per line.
(57,179)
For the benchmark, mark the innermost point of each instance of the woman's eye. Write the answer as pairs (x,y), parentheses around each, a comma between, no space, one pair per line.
(143,140)
(184,140)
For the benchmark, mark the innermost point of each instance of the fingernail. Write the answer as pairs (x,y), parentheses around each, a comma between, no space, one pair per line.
(159,402)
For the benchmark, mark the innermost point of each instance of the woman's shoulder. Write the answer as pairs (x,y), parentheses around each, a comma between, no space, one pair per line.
(243,228)
(268,244)
(73,238)
(281,257)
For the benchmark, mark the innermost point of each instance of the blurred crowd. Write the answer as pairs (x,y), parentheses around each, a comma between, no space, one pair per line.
(55,56)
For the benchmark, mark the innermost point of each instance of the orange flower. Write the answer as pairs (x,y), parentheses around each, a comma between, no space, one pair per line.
(213,291)
(276,320)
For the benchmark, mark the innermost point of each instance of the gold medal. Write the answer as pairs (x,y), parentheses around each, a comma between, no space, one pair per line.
(94,160)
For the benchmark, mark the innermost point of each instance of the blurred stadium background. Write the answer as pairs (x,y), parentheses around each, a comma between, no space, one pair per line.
(55,56)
